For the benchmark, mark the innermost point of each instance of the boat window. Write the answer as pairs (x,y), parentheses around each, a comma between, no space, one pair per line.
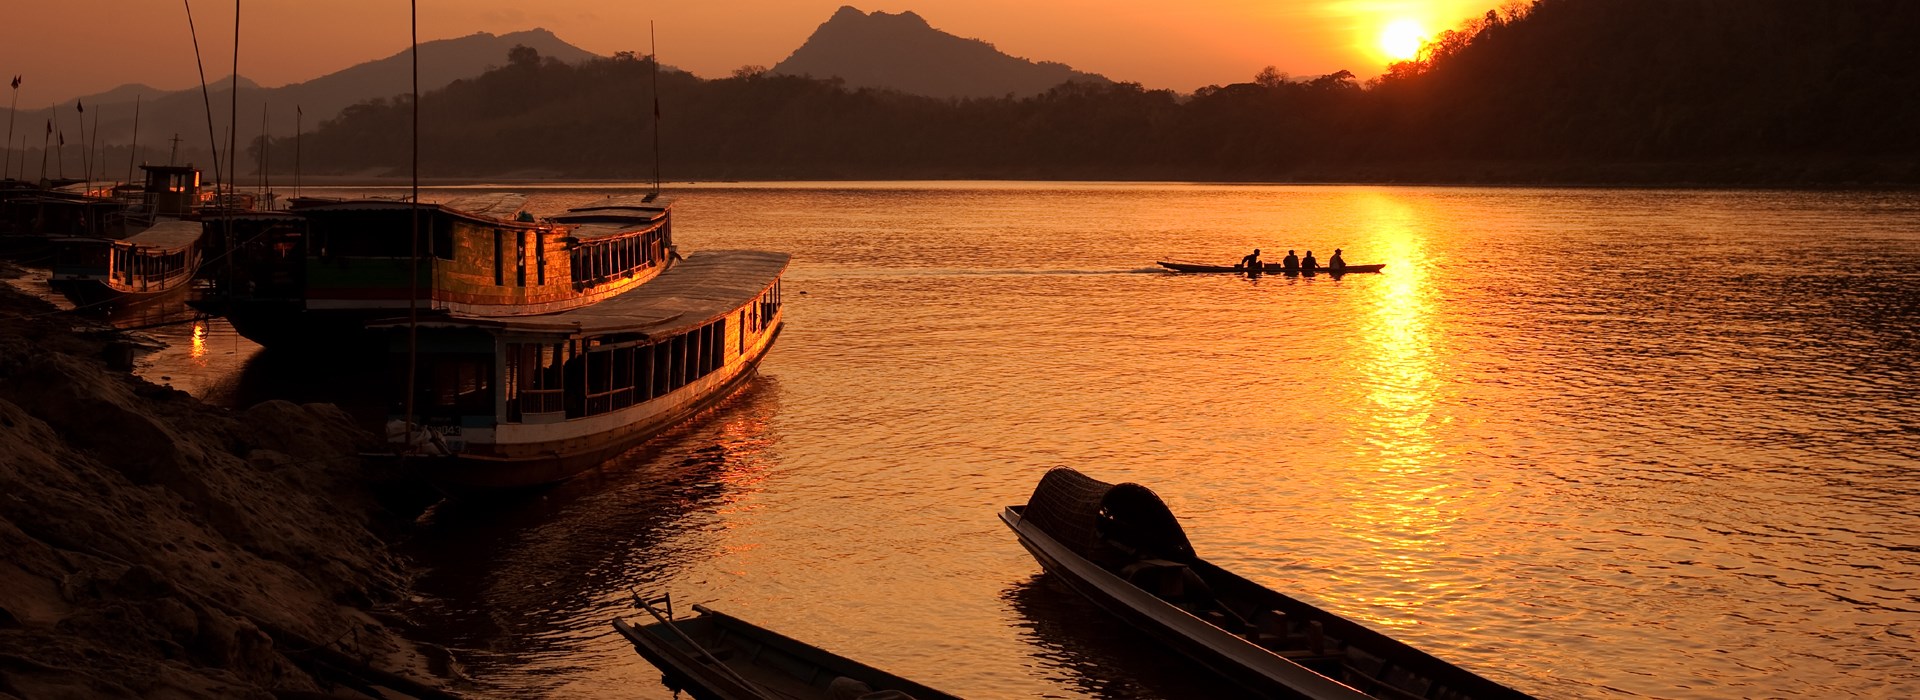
(679,359)
(440,238)
(661,369)
(458,384)
(499,258)
(520,258)
(540,258)
(642,373)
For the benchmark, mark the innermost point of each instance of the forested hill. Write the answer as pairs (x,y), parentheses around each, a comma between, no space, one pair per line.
(1576,91)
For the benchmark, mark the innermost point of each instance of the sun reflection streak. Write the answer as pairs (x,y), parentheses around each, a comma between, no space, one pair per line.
(1399,490)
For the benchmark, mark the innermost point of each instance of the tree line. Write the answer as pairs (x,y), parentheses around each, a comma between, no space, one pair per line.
(1735,91)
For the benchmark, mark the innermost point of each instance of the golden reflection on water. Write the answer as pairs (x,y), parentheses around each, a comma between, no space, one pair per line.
(1397,499)
(197,350)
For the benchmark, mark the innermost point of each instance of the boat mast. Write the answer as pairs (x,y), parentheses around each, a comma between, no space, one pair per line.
(413,208)
(266,184)
(233,136)
(13,114)
(654,49)
(297,115)
(133,151)
(206,99)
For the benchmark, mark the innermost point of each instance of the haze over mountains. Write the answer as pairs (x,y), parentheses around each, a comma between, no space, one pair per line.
(165,113)
(902,52)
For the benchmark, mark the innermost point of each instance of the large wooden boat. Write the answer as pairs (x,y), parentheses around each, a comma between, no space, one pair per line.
(351,262)
(1120,546)
(720,657)
(158,262)
(515,401)
(1267,268)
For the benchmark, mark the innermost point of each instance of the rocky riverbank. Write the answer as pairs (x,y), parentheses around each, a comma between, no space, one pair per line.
(157,547)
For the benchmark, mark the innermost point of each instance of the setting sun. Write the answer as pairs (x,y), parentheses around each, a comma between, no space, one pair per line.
(1402,38)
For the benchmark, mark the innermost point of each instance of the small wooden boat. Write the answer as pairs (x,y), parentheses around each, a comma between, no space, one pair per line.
(1120,546)
(1266,268)
(154,264)
(720,657)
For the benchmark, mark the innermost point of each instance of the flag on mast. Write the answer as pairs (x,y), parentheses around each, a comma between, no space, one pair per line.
(16,82)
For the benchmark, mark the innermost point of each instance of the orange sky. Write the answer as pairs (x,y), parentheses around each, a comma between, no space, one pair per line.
(76,47)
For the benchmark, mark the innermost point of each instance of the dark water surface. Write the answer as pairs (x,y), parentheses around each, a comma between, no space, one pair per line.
(1589,443)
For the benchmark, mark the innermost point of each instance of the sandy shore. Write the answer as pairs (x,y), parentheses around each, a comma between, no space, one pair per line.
(157,547)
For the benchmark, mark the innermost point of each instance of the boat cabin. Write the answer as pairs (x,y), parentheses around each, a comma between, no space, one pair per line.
(171,190)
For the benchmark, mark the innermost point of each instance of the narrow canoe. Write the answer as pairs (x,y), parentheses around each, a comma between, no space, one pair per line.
(1120,546)
(720,657)
(1268,268)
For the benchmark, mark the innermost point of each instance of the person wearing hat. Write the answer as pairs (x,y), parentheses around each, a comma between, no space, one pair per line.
(1335,264)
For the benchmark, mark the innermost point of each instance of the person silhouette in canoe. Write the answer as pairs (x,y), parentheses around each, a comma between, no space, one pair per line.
(1252,261)
(1336,265)
(1291,263)
(1308,264)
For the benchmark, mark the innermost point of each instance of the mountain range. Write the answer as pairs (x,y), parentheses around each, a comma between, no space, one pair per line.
(903,52)
(879,50)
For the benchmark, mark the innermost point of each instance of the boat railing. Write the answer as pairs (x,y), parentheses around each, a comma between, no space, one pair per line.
(542,400)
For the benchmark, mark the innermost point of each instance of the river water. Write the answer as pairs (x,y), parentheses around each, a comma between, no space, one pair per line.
(1588,443)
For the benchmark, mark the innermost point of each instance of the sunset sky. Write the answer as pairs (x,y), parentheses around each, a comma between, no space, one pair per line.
(77,47)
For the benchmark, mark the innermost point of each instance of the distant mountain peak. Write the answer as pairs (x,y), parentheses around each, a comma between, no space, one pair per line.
(904,52)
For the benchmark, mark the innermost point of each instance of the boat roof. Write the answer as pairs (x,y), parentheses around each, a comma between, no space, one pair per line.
(498,205)
(694,292)
(454,208)
(167,234)
(1082,513)
(615,215)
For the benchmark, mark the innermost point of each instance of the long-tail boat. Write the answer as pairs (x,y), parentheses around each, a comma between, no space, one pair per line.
(716,656)
(1121,547)
(1267,268)
(516,401)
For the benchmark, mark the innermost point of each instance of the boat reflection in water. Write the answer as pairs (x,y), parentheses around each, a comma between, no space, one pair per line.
(525,580)
(1084,648)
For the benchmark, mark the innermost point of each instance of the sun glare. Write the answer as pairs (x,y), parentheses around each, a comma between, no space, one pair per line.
(1401,39)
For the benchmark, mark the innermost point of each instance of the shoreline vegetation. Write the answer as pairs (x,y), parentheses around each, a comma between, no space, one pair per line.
(160,547)
(1707,93)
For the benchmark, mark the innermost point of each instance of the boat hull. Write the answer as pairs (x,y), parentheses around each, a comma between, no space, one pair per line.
(784,667)
(542,464)
(1267,268)
(1249,666)
(96,293)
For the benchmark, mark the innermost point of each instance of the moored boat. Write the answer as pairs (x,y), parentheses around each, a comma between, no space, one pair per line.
(517,401)
(483,256)
(158,262)
(715,656)
(1120,546)
(1267,268)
